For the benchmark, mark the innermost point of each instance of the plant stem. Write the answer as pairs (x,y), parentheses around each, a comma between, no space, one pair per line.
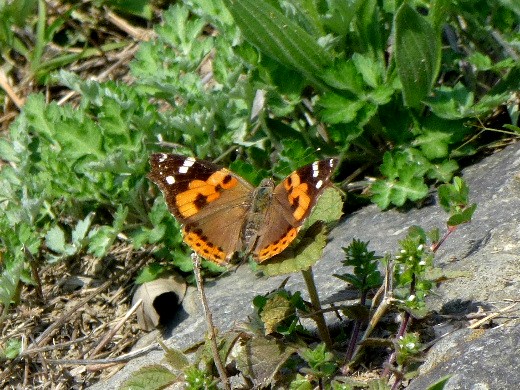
(209,323)
(355,332)
(319,318)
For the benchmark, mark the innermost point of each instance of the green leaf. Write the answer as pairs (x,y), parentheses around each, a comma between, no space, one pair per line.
(339,109)
(345,75)
(433,144)
(371,71)
(102,237)
(9,281)
(439,385)
(444,171)
(149,273)
(452,103)
(276,310)
(81,229)
(404,181)
(142,8)
(175,358)
(55,239)
(300,383)
(265,27)
(340,14)
(328,209)
(11,350)
(153,377)
(7,151)
(417,54)
(462,217)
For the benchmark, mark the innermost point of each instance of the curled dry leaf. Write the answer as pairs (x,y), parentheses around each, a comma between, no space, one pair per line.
(159,297)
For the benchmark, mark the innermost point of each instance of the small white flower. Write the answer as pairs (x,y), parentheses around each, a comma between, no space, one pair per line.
(411,298)
(420,247)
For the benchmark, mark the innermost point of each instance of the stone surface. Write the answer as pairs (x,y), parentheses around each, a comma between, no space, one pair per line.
(484,253)
(475,359)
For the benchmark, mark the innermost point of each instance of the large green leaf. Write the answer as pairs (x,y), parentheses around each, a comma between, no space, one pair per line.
(417,54)
(279,37)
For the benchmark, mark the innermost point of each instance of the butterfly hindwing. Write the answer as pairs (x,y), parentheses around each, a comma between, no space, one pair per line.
(223,214)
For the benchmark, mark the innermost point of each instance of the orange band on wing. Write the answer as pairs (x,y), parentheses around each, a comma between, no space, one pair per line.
(298,195)
(201,245)
(201,192)
(278,246)
(222,179)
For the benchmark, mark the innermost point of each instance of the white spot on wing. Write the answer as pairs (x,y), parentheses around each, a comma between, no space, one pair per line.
(184,169)
(315,169)
(170,180)
(163,157)
(188,162)
(319,184)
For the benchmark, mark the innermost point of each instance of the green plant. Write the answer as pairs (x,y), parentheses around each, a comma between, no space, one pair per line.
(322,363)
(45,46)
(278,311)
(266,346)
(261,86)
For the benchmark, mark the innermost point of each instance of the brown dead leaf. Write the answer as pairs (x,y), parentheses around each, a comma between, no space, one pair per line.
(172,288)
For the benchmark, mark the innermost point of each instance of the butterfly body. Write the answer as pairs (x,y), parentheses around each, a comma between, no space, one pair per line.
(222,214)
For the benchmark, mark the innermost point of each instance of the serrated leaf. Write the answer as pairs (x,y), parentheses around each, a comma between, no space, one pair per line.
(277,309)
(381,191)
(443,172)
(149,273)
(153,377)
(300,383)
(328,209)
(261,358)
(100,240)
(371,71)
(434,144)
(417,54)
(452,103)
(339,109)
(175,358)
(463,216)
(344,75)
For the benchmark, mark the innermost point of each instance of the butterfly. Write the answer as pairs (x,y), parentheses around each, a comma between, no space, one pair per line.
(222,214)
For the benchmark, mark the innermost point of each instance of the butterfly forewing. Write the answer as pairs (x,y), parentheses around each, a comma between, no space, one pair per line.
(211,202)
(219,214)
(293,200)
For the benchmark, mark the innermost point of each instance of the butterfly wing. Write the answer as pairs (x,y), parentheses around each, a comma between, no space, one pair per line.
(293,200)
(211,202)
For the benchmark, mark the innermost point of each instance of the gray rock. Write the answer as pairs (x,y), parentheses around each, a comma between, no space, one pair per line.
(484,253)
(475,359)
